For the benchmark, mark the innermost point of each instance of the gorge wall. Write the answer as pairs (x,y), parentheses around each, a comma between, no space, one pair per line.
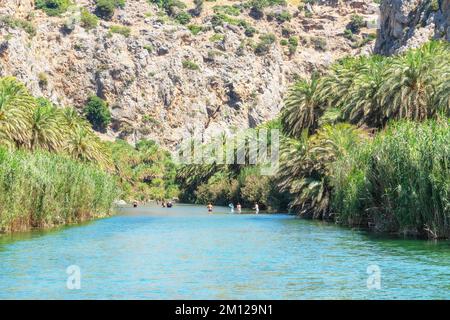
(162,80)
(409,23)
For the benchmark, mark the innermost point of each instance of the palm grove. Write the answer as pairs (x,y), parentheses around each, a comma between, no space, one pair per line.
(364,144)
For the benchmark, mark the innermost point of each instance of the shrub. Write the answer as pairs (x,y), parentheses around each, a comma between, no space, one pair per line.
(42,79)
(263,46)
(88,20)
(356,23)
(183,18)
(216,37)
(97,113)
(53,7)
(195,29)
(105,8)
(319,43)
(283,16)
(25,25)
(293,44)
(125,31)
(188,64)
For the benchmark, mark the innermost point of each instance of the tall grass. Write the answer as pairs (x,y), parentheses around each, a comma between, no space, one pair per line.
(400,182)
(41,189)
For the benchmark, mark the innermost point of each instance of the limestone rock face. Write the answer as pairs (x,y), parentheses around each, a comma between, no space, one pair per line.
(164,83)
(410,23)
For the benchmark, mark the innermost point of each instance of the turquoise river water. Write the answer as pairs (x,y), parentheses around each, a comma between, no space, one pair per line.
(184,253)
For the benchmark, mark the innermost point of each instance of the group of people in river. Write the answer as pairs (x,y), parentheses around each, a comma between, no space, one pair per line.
(231,206)
(167,204)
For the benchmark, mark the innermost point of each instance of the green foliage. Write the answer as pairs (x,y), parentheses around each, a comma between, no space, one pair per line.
(283,16)
(398,183)
(229,10)
(302,108)
(122,30)
(97,113)
(25,25)
(195,29)
(183,18)
(293,44)
(40,190)
(42,79)
(216,37)
(306,166)
(88,20)
(356,23)
(145,172)
(53,7)
(266,41)
(399,180)
(105,8)
(191,65)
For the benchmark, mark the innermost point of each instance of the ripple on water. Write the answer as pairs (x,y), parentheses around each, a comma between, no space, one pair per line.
(184,253)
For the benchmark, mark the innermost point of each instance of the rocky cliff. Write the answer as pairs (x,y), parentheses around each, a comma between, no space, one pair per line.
(409,23)
(164,80)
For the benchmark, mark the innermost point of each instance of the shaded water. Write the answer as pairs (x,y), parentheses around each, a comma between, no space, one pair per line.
(184,253)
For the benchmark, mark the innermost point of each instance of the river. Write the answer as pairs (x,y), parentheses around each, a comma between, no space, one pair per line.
(184,253)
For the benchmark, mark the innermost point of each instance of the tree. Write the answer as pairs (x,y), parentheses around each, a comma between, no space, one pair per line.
(84,145)
(46,129)
(303,107)
(410,82)
(306,166)
(15,106)
(97,113)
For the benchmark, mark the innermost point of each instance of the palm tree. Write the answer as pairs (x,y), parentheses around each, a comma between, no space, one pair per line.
(443,93)
(362,106)
(306,166)
(72,119)
(336,86)
(46,129)
(303,107)
(16,105)
(410,82)
(84,145)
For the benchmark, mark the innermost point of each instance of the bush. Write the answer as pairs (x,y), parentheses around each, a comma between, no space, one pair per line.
(88,20)
(42,80)
(53,7)
(97,113)
(125,31)
(188,64)
(283,16)
(293,44)
(195,29)
(356,23)
(183,18)
(105,8)
(319,43)
(25,25)
(263,46)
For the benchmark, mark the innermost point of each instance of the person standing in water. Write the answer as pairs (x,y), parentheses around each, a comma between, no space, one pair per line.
(239,207)
(210,207)
(231,205)
(256,208)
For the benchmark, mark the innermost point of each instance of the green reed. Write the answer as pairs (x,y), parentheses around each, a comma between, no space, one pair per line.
(40,190)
